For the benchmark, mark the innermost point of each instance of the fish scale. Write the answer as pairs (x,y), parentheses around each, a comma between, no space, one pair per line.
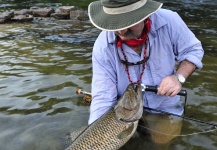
(94,137)
(108,132)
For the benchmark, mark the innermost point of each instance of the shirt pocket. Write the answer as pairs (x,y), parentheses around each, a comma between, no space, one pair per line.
(161,66)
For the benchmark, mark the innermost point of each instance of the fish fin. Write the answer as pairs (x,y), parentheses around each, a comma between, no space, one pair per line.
(70,138)
(125,133)
(76,133)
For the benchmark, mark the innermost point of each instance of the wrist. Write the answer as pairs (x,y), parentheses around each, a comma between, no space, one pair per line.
(180,77)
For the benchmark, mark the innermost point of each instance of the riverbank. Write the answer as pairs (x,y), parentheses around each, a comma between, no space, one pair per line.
(28,15)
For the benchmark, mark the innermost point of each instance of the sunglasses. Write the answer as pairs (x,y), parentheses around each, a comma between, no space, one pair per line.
(133,63)
(145,59)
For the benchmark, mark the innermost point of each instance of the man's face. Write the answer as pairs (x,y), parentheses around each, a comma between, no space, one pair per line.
(133,32)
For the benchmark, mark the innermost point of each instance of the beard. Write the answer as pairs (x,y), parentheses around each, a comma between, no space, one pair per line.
(128,35)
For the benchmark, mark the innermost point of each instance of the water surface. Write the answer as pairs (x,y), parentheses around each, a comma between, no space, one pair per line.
(42,63)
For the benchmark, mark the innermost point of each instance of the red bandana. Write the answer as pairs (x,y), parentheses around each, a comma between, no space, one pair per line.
(137,42)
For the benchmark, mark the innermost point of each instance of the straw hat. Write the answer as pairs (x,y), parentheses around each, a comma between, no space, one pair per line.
(114,15)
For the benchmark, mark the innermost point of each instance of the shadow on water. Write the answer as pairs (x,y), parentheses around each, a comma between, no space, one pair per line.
(45,61)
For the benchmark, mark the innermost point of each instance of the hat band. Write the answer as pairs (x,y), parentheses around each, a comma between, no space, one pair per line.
(125,9)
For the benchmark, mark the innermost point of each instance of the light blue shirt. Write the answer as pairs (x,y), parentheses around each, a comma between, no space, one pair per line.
(170,41)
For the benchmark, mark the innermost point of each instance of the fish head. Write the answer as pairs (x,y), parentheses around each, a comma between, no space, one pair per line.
(129,107)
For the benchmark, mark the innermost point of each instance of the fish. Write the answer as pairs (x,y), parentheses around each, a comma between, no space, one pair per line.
(114,128)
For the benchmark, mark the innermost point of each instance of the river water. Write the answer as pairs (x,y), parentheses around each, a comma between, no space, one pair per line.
(42,63)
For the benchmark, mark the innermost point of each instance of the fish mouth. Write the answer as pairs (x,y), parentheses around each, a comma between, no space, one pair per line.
(130,105)
(128,120)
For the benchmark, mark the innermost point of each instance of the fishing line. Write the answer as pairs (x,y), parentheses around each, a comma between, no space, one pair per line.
(181,135)
(184,117)
(211,130)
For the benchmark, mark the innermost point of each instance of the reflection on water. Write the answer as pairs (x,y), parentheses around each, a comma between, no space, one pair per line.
(44,62)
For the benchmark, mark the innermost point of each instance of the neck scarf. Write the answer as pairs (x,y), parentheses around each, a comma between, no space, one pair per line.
(141,40)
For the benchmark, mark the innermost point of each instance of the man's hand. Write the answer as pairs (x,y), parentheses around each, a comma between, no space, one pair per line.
(170,86)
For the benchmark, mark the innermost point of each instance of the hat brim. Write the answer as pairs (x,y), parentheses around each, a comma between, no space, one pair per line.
(115,22)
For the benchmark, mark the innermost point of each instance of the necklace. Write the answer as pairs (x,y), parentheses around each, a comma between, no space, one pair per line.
(138,63)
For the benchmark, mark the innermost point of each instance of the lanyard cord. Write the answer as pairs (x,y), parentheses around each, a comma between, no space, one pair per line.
(127,67)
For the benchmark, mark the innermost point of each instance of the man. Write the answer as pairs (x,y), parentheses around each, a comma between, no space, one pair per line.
(140,43)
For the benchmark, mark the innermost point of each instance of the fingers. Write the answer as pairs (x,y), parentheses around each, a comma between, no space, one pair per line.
(170,86)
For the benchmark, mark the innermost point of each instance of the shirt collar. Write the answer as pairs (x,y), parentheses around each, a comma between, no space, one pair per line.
(156,23)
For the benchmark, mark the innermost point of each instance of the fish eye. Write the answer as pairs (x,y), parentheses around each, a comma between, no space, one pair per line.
(135,87)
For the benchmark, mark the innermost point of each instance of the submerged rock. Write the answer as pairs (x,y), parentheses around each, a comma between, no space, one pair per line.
(42,12)
(78,14)
(60,15)
(22,18)
(23,12)
(67,9)
(6,16)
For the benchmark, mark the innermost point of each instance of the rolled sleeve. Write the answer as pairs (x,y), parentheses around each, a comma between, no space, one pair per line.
(195,56)
(186,45)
